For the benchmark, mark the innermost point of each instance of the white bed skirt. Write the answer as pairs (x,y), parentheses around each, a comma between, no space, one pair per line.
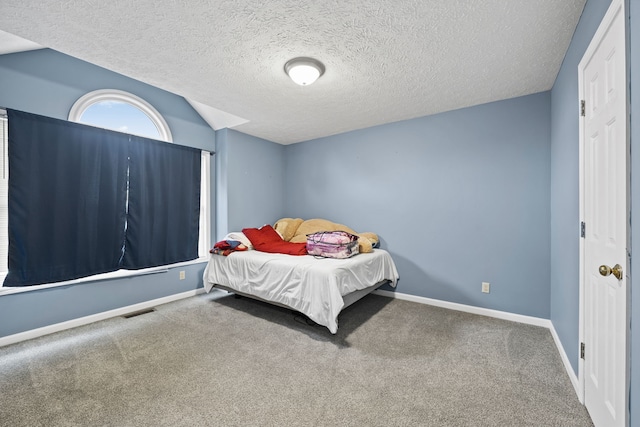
(312,286)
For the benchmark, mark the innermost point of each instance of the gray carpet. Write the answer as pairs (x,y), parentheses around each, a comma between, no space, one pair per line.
(221,361)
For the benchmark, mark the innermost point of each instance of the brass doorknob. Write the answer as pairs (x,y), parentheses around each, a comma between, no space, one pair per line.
(605,270)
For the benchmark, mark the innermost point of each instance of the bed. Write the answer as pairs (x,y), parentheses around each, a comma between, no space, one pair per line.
(317,287)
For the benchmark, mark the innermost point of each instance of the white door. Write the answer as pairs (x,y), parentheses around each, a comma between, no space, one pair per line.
(605,213)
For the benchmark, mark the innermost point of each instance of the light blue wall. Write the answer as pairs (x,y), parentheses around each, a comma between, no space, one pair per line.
(48,83)
(565,218)
(221,186)
(457,198)
(35,309)
(251,181)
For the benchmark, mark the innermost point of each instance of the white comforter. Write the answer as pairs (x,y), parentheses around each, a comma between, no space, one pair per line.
(312,286)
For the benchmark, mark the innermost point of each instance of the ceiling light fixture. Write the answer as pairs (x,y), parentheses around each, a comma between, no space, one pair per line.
(304,71)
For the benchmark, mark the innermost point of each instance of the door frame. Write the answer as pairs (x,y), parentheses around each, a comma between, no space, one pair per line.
(617,6)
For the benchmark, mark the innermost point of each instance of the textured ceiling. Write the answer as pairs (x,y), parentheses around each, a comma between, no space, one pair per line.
(385,60)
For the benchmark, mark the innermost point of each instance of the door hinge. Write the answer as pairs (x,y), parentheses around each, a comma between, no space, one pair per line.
(582,107)
(581,350)
(582,229)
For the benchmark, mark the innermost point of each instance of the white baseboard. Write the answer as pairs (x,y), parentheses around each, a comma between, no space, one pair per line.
(50,329)
(504,315)
(529,320)
(567,365)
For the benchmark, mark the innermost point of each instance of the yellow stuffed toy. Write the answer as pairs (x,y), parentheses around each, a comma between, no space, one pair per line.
(296,229)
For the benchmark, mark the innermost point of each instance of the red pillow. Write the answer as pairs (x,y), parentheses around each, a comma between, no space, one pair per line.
(264,234)
(266,239)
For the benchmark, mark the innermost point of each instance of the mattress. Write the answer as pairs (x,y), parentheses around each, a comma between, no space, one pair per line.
(313,286)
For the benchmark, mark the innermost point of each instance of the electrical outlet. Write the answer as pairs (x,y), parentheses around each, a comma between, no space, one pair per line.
(182,275)
(485,287)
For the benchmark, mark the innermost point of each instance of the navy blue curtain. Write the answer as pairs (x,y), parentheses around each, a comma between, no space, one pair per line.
(67,193)
(69,212)
(164,204)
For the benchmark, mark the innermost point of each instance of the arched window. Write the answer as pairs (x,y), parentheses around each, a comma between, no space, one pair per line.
(120,111)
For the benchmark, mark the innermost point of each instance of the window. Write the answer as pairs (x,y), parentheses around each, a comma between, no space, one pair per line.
(114,110)
(121,111)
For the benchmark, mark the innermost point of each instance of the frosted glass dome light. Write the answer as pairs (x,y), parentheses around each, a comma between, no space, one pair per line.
(304,71)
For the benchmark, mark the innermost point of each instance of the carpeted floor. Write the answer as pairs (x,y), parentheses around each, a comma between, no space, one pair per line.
(215,360)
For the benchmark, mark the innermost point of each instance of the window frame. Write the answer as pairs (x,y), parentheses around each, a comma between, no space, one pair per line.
(102,95)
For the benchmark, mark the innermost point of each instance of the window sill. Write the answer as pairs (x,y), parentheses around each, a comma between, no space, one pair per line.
(120,274)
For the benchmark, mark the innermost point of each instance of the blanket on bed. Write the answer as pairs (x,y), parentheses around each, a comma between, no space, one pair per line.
(225,247)
(266,239)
